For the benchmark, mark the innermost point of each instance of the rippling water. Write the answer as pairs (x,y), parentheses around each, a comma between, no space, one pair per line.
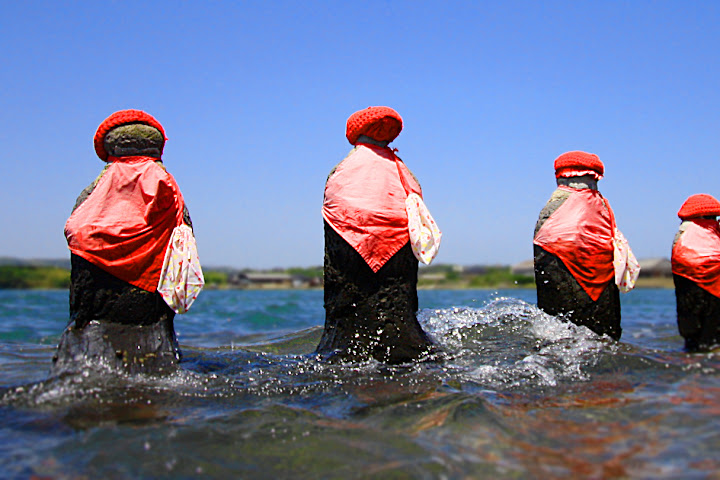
(518,394)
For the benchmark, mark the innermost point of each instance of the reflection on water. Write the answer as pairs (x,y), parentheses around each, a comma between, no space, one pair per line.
(516,393)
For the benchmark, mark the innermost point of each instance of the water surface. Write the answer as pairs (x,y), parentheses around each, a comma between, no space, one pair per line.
(518,394)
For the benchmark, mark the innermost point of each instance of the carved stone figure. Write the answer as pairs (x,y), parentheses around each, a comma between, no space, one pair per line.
(370,269)
(573,250)
(119,233)
(696,272)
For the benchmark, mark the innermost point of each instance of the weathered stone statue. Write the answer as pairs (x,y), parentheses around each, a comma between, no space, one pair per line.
(573,248)
(696,272)
(132,255)
(370,269)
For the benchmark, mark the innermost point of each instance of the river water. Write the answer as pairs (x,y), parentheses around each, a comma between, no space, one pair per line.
(518,394)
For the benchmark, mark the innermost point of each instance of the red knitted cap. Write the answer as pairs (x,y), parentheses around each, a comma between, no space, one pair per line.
(578,159)
(379,123)
(123,117)
(699,205)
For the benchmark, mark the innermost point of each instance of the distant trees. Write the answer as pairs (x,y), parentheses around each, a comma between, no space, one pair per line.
(478,276)
(22,277)
(437,276)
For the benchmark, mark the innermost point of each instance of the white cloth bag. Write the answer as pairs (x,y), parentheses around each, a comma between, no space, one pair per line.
(424,233)
(626,265)
(181,278)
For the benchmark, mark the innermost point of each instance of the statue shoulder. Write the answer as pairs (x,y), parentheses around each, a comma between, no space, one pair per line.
(89,189)
(557,198)
(332,172)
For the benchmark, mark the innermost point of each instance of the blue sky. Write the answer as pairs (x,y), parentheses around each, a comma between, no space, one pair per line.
(254,97)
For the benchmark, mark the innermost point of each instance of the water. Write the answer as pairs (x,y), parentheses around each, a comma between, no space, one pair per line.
(519,394)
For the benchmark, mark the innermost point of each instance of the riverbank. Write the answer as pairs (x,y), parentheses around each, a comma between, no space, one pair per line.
(442,277)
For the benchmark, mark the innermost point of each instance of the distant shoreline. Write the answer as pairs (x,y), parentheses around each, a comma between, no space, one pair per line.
(437,277)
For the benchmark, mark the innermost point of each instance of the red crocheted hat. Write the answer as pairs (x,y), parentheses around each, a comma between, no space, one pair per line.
(699,205)
(578,159)
(379,123)
(123,117)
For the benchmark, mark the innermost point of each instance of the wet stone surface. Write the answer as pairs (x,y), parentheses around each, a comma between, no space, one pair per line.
(115,324)
(698,315)
(559,293)
(149,349)
(367,314)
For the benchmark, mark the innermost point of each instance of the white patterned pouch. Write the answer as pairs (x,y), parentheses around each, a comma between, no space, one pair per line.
(424,233)
(181,278)
(626,265)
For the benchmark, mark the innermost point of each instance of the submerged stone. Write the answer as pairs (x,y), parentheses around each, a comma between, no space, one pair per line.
(698,315)
(115,324)
(559,294)
(368,314)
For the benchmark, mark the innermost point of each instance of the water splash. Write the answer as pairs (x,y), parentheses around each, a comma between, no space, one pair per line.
(506,343)
(510,343)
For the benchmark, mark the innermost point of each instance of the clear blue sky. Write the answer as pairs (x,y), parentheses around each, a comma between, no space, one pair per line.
(254,97)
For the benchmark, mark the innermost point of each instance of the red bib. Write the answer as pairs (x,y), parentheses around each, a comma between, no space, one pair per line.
(365,203)
(580,233)
(696,254)
(125,225)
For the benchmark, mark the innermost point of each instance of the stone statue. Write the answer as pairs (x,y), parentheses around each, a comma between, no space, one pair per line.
(696,272)
(573,248)
(120,236)
(370,271)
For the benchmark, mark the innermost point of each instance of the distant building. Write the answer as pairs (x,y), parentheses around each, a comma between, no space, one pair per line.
(481,269)
(432,277)
(655,267)
(526,267)
(269,280)
(649,268)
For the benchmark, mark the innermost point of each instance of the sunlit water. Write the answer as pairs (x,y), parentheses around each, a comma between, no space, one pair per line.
(517,394)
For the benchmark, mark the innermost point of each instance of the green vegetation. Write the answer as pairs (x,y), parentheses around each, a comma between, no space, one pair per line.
(501,277)
(34,277)
(437,276)
(449,276)
(215,278)
(309,272)
(655,282)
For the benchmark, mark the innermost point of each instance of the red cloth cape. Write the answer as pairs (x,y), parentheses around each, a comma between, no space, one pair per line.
(125,225)
(580,233)
(365,202)
(696,254)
